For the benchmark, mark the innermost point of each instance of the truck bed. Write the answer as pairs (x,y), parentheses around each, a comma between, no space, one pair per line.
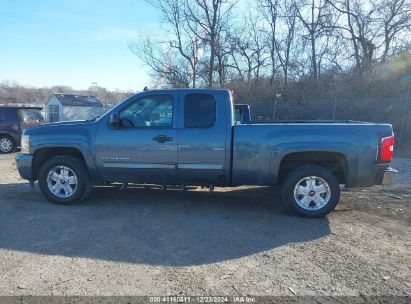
(307,121)
(259,148)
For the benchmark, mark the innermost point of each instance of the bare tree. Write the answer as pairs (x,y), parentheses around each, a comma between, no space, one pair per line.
(376,29)
(183,32)
(299,45)
(284,45)
(360,25)
(269,10)
(162,61)
(395,20)
(316,20)
(212,18)
(248,50)
(223,49)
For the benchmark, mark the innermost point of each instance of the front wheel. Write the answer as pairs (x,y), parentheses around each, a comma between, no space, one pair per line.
(311,191)
(64,180)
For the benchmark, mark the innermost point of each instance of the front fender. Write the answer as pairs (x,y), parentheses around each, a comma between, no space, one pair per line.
(81,145)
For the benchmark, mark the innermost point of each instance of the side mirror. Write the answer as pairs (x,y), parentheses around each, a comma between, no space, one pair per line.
(114,121)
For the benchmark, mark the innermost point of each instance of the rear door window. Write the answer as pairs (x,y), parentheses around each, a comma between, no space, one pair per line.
(199,110)
(8,114)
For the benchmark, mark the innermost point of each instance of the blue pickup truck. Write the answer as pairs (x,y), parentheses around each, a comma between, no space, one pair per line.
(190,137)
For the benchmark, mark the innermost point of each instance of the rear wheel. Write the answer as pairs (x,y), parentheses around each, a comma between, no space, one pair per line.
(7,144)
(311,191)
(64,180)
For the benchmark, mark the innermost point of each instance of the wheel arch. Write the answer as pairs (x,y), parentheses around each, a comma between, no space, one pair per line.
(339,158)
(41,155)
(8,135)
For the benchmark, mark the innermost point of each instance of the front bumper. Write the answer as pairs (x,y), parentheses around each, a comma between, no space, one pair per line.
(386,177)
(24,165)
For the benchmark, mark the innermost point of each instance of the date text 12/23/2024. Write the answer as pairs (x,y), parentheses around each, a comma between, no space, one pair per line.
(203,299)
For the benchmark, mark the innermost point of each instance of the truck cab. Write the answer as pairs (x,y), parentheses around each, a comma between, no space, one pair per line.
(166,137)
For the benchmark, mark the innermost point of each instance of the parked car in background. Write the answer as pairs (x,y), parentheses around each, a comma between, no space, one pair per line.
(13,120)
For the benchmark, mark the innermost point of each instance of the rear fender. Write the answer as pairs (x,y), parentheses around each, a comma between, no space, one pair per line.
(348,150)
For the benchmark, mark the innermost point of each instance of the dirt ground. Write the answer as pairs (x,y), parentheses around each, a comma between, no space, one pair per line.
(236,241)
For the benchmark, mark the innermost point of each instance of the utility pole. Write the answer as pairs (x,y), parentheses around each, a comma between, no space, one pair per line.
(277,96)
(94,87)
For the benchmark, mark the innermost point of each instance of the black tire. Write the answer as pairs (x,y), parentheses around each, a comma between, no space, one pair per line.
(296,176)
(12,147)
(75,164)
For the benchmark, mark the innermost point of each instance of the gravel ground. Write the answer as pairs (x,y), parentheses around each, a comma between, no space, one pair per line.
(234,241)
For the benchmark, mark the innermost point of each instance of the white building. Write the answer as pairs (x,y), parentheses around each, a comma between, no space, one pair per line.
(63,107)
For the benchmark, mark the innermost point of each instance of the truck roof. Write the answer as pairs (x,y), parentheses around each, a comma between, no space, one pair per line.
(187,89)
(19,107)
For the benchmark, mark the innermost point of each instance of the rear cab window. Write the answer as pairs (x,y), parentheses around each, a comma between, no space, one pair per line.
(199,110)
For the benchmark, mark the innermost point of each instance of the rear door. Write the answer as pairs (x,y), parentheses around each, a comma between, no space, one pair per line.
(3,123)
(1,116)
(9,123)
(201,138)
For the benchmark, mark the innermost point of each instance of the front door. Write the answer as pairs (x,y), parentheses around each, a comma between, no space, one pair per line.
(144,147)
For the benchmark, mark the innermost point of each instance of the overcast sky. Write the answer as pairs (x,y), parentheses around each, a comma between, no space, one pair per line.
(74,42)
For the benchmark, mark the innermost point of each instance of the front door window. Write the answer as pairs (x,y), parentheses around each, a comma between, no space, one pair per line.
(149,111)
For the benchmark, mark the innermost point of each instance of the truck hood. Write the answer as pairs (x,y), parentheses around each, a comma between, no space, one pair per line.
(63,123)
(63,126)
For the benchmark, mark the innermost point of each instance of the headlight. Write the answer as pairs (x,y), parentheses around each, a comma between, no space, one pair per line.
(25,144)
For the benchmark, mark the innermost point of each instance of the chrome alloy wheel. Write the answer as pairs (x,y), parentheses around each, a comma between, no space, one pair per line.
(312,193)
(62,181)
(6,145)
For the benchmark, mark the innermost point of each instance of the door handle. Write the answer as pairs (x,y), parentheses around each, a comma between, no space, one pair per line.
(162,138)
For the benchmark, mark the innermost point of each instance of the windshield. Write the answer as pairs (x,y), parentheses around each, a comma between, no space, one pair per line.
(30,115)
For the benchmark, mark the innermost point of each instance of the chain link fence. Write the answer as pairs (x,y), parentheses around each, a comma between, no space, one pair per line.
(395,111)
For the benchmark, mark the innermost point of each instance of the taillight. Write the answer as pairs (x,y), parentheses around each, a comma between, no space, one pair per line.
(387,148)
